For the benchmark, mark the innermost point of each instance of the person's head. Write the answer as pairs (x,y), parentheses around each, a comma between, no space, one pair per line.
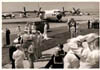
(79,43)
(60,46)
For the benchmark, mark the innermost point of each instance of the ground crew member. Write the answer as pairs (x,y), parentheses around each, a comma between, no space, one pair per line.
(18,56)
(57,58)
(89,24)
(7,36)
(72,27)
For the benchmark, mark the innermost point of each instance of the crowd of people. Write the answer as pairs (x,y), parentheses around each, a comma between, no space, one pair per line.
(80,51)
(28,46)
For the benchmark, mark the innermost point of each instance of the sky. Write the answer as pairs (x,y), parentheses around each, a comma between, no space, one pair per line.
(18,6)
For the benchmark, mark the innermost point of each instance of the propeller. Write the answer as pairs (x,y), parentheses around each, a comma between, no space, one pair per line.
(25,11)
(39,12)
(74,9)
(63,12)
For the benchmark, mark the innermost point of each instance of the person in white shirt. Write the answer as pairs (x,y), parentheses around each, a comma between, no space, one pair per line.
(90,55)
(18,56)
(72,59)
(45,32)
(18,30)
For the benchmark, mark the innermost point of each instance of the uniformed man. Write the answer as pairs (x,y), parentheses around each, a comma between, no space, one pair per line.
(57,59)
(18,56)
(89,24)
(7,36)
(72,27)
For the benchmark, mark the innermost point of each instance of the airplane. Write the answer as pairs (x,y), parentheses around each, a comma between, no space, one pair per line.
(54,14)
(10,15)
(24,12)
(78,12)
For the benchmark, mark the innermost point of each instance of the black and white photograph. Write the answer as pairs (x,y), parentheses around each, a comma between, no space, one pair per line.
(50,35)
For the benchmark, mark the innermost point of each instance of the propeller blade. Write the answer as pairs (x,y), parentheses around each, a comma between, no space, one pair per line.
(24,9)
(39,12)
(74,9)
(24,12)
(39,9)
(63,9)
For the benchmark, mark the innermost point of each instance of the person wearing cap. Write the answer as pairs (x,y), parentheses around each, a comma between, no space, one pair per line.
(72,27)
(90,55)
(57,58)
(18,56)
(72,59)
(7,36)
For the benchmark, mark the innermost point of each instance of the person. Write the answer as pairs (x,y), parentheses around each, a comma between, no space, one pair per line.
(31,51)
(18,56)
(89,24)
(72,27)
(90,57)
(19,30)
(57,58)
(33,28)
(74,46)
(7,36)
(26,43)
(12,49)
(37,39)
(71,23)
(45,31)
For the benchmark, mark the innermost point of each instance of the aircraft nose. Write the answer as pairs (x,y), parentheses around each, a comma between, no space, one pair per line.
(59,16)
